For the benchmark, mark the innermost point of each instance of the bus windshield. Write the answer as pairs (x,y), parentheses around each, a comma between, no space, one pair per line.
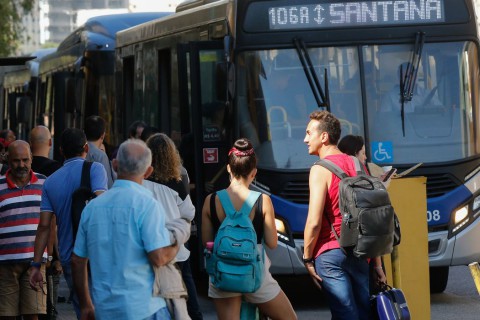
(275,103)
(439,122)
(275,99)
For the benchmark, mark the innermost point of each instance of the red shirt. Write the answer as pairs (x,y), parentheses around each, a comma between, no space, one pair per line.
(327,241)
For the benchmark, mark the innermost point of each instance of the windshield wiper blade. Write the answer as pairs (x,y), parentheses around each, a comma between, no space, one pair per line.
(321,98)
(409,78)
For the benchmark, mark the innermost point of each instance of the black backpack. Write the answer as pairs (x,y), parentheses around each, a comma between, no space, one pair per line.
(81,196)
(369,227)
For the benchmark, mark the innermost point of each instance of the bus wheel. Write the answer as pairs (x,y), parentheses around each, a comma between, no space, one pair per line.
(438,279)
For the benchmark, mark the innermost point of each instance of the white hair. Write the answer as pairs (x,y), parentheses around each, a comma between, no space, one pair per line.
(133,157)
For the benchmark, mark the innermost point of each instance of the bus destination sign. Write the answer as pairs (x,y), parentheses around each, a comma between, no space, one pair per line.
(360,13)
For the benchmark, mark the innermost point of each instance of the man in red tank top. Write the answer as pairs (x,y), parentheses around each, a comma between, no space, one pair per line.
(342,276)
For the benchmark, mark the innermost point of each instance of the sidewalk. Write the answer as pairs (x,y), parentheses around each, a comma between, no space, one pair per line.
(64,309)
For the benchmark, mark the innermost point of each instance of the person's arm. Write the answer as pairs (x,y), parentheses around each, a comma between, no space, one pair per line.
(377,265)
(41,240)
(318,184)
(80,282)
(318,193)
(162,256)
(207,227)
(269,229)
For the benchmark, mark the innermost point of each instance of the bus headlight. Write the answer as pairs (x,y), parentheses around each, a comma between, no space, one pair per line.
(283,232)
(460,219)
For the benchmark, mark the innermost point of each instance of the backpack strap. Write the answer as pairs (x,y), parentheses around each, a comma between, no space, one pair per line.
(359,168)
(336,170)
(226,202)
(246,207)
(250,202)
(85,181)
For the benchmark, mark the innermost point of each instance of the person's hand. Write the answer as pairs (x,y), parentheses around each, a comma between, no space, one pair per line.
(381,278)
(57,267)
(313,273)
(35,279)
(87,313)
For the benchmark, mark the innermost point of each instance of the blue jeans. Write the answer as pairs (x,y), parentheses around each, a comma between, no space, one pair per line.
(67,273)
(161,314)
(345,284)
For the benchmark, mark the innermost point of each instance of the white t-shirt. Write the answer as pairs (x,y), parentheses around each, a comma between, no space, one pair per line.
(175,208)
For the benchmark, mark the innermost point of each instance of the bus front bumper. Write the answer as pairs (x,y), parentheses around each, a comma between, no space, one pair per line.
(461,249)
(286,259)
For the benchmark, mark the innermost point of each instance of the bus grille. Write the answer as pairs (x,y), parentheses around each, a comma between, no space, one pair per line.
(437,185)
(296,191)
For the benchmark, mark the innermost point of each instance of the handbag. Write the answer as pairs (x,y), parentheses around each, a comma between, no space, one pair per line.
(389,304)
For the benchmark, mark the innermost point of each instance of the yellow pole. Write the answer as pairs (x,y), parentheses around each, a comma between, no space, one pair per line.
(409,260)
(475,271)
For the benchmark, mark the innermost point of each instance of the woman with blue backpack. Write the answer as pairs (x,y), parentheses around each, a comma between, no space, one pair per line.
(240,222)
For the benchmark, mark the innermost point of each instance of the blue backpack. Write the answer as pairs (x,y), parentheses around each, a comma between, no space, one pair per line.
(235,264)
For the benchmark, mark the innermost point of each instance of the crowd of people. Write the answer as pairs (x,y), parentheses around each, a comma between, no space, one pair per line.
(130,258)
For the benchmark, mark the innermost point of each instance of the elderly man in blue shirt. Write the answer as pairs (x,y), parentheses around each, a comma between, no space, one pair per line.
(122,234)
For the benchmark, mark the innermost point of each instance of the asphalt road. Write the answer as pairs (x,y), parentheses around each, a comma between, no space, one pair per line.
(459,301)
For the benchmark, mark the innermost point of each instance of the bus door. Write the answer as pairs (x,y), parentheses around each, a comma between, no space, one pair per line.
(203,128)
(204,135)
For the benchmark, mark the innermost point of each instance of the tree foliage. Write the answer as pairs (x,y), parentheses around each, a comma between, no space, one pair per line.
(11,27)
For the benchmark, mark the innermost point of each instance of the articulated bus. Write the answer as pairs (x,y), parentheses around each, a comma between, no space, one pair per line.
(77,80)
(403,74)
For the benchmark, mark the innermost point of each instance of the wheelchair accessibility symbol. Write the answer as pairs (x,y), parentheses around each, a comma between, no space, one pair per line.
(382,152)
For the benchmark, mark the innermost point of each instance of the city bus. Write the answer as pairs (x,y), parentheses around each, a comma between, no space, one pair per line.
(20,91)
(403,74)
(77,80)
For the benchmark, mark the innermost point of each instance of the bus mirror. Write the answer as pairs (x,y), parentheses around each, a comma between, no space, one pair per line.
(225,81)
(24,109)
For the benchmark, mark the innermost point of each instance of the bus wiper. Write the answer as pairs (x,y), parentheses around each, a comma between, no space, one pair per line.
(321,98)
(409,78)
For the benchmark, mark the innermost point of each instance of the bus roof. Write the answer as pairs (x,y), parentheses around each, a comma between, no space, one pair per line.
(96,34)
(185,18)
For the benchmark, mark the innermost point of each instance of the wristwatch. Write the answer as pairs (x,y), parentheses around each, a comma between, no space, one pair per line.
(309,260)
(35,264)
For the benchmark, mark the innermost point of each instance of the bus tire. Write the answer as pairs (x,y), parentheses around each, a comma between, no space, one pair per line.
(438,279)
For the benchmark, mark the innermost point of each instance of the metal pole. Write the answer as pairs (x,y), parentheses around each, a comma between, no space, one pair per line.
(475,271)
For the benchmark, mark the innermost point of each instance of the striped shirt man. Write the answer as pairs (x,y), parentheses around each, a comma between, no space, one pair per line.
(19,218)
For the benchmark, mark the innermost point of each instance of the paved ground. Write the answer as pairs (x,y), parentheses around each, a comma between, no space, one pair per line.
(65,310)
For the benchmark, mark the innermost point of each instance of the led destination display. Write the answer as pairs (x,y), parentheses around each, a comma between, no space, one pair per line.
(360,13)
